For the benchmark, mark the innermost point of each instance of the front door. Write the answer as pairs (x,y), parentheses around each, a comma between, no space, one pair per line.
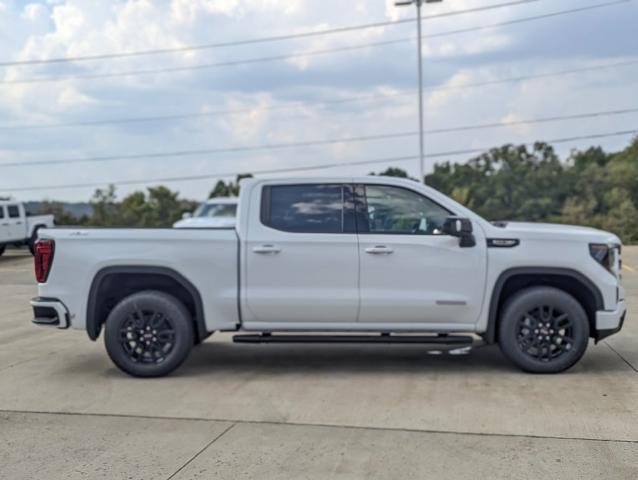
(301,256)
(410,272)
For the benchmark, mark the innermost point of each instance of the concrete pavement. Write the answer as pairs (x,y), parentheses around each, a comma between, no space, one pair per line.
(317,411)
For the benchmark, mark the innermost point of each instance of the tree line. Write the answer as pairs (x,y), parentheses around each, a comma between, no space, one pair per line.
(513,182)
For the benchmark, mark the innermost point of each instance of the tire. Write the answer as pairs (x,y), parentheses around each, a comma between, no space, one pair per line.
(2,247)
(526,339)
(163,341)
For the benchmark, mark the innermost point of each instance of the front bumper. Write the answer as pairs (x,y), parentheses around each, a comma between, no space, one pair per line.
(49,312)
(610,322)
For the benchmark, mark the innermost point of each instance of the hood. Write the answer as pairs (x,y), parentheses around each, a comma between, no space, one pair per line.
(205,222)
(554,231)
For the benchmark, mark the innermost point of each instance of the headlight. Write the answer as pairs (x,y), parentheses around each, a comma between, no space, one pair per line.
(607,255)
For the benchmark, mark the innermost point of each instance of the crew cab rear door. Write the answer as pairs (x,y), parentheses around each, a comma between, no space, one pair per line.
(301,255)
(410,272)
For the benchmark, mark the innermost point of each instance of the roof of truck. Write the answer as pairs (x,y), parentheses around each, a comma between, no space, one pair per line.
(332,179)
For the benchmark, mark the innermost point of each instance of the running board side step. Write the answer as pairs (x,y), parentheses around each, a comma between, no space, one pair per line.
(383,338)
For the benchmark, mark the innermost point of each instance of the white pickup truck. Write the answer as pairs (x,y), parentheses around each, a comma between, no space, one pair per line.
(370,259)
(216,212)
(18,228)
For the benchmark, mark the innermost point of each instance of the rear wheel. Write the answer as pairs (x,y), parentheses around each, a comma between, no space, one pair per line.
(149,334)
(543,330)
(2,247)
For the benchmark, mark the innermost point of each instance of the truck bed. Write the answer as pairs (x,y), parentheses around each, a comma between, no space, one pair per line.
(207,258)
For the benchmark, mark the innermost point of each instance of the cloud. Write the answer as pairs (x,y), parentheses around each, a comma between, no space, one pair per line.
(284,101)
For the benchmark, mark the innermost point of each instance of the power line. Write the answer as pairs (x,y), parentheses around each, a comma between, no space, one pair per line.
(297,104)
(251,41)
(527,19)
(208,151)
(513,123)
(170,70)
(299,169)
(315,143)
(206,66)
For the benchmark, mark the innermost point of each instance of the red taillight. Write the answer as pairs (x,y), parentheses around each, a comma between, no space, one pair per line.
(43,258)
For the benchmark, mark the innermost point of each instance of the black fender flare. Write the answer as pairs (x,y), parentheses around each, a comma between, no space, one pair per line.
(94,326)
(30,242)
(490,333)
(34,233)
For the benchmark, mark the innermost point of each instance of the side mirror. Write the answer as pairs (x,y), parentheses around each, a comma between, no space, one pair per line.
(187,215)
(461,228)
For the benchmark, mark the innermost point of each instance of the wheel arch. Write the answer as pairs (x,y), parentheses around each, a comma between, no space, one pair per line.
(33,236)
(34,231)
(571,281)
(112,284)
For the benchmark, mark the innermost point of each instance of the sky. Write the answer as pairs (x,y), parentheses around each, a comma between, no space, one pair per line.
(232,118)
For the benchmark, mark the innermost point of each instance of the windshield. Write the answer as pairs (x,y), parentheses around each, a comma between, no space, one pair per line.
(216,210)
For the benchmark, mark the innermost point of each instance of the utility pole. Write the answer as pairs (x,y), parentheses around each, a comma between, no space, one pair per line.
(420,67)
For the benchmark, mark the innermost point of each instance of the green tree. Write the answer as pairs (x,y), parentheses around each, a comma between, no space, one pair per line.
(508,183)
(134,211)
(605,191)
(513,182)
(230,189)
(164,205)
(157,207)
(392,172)
(104,208)
(221,189)
(62,217)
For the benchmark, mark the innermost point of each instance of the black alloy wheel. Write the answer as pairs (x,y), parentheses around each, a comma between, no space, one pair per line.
(149,334)
(545,333)
(543,330)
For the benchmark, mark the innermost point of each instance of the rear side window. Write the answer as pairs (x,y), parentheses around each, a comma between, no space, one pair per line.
(311,208)
(14,212)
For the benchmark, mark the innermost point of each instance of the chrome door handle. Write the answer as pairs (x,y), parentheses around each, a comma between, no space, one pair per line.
(267,249)
(379,250)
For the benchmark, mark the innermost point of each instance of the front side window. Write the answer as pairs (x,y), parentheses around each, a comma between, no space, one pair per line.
(311,208)
(395,210)
(14,211)
(1,211)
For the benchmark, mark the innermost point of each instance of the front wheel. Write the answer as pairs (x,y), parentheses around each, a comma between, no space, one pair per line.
(149,334)
(2,247)
(543,330)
